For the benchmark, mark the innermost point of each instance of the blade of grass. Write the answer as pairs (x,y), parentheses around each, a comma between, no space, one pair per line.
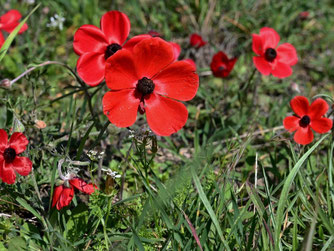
(208,207)
(285,192)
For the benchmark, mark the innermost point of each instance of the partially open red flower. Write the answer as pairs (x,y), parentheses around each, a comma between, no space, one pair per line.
(149,80)
(271,58)
(10,162)
(307,117)
(95,46)
(197,41)
(10,20)
(63,194)
(221,65)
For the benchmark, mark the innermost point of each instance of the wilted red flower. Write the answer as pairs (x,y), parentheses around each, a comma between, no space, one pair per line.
(64,193)
(197,41)
(149,80)
(9,21)
(10,162)
(304,14)
(307,117)
(221,65)
(95,46)
(272,58)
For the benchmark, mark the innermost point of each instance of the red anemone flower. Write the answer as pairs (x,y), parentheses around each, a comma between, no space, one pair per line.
(221,65)
(63,194)
(10,162)
(197,41)
(272,58)
(10,20)
(150,81)
(307,117)
(95,46)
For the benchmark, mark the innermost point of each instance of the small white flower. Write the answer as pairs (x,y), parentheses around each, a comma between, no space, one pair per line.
(56,21)
(30,1)
(111,173)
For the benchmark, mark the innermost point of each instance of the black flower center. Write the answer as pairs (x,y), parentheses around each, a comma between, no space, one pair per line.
(270,54)
(305,121)
(145,86)
(221,68)
(9,155)
(111,50)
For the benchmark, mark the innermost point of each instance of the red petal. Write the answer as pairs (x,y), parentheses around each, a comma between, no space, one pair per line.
(22,165)
(291,123)
(18,141)
(65,198)
(11,16)
(90,67)
(7,173)
(121,107)
(11,26)
(116,26)
(287,54)
(191,62)
(270,38)
(318,108)
(56,194)
(321,125)
(303,135)
(121,71)
(176,50)
(177,81)
(262,65)
(89,38)
(281,70)
(2,40)
(151,56)
(231,63)
(165,116)
(300,105)
(257,44)
(82,185)
(3,140)
(135,40)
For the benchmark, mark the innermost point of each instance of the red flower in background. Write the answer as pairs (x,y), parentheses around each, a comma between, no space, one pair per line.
(149,80)
(197,41)
(8,23)
(10,162)
(95,46)
(307,117)
(271,58)
(221,65)
(63,194)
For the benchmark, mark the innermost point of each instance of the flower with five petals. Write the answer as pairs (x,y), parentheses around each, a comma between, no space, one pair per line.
(307,117)
(149,80)
(10,161)
(273,58)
